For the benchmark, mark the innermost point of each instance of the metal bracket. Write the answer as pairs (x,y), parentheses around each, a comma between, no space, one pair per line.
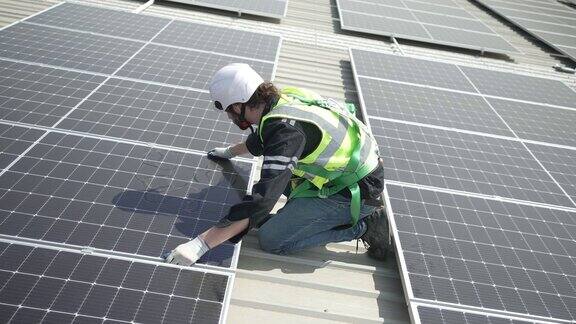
(564,69)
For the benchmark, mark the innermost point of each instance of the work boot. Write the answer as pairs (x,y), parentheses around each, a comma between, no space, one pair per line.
(376,238)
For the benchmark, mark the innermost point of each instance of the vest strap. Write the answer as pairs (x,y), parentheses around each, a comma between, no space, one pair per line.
(350,180)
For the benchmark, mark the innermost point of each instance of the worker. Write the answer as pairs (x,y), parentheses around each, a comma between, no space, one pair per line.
(315,152)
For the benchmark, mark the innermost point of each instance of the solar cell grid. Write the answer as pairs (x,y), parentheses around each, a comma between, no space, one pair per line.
(376,9)
(439,22)
(550,21)
(561,163)
(392,3)
(454,22)
(465,162)
(544,7)
(102,20)
(485,42)
(516,86)
(558,39)
(14,141)
(155,114)
(430,106)
(266,8)
(440,315)
(114,196)
(73,287)
(536,122)
(381,79)
(532,16)
(183,67)
(548,27)
(486,253)
(75,50)
(40,95)
(118,196)
(391,27)
(407,69)
(221,40)
(448,9)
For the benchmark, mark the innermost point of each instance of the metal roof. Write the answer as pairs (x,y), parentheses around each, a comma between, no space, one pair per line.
(331,284)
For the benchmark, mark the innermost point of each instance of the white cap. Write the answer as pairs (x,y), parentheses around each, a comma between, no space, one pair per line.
(234,83)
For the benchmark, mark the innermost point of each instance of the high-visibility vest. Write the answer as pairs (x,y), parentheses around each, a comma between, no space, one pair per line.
(347,151)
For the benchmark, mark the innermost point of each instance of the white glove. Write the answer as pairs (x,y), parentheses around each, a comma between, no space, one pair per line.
(221,153)
(188,253)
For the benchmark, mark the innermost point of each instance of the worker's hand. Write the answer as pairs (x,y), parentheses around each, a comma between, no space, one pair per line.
(188,253)
(221,153)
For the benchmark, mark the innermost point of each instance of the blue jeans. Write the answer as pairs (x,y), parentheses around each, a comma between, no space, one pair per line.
(307,222)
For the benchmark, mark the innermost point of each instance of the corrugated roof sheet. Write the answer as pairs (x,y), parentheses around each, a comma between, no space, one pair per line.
(334,283)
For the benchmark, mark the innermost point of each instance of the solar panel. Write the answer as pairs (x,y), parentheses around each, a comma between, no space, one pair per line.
(118,196)
(409,70)
(427,314)
(465,162)
(442,23)
(40,95)
(464,98)
(14,141)
(102,149)
(101,20)
(65,48)
(522,87)
(154,114)
(183,67)
(538,122)
(220,39)
(430,106)
(486,254)
(548,20)
(265,8)
(480,187)
(52,286)
(561,163)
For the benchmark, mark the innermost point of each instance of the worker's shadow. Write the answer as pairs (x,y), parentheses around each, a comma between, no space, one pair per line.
(180,210)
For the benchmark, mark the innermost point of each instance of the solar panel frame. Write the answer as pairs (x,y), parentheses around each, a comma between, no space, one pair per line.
(409,70)
(428,314)
(64,48)
(436,78)
(537,122)
(107,75)
(521,87)
(556,170)
(101,20)
(365,22)
(479,265)
(224,40)
(39,95)
(73,283)
(184,67)
(116,196)
(560,162)
(154,114)
(430,106)
(506,13)
(464,162)
(236,6)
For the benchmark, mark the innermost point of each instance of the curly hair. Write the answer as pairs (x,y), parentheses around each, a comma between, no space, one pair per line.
(265,93)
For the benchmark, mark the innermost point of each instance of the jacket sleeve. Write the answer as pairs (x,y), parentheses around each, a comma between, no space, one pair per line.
(254,144)
(282,146)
